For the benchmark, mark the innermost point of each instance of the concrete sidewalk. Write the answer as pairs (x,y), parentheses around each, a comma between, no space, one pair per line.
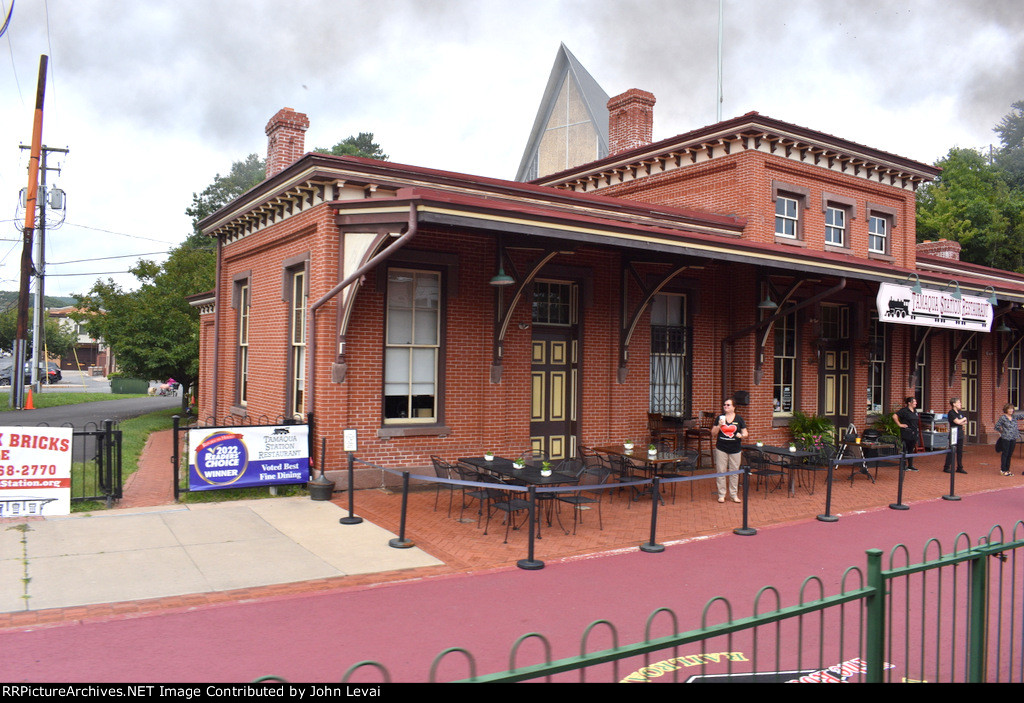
(173,550)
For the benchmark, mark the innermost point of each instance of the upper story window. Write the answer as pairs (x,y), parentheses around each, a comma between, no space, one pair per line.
(786,217)
(412,346)
(790,203)
(878,235)
(835,226)
(881,222)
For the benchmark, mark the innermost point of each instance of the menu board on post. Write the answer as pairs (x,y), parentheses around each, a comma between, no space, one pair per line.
(35,471)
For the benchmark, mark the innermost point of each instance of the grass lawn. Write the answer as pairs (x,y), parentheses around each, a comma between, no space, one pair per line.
(52,400)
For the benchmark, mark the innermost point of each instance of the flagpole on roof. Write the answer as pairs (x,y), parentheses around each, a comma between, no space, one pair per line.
(718,114)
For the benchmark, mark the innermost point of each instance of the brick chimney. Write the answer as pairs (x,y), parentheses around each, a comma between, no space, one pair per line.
(943,248)
(630,120)
(286,139)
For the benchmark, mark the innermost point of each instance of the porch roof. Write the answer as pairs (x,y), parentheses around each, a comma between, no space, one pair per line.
(646,234)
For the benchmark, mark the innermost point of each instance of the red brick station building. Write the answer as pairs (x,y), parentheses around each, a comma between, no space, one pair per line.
(439,313)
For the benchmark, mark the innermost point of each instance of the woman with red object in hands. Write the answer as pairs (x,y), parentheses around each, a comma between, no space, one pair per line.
(728,433)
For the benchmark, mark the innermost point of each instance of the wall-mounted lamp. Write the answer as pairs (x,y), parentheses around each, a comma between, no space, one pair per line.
(916,288)
(992,299)
(1003,327)
(956,294)
(767,304)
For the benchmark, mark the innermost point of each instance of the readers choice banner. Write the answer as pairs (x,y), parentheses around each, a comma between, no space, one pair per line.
(35,471)
(242,457)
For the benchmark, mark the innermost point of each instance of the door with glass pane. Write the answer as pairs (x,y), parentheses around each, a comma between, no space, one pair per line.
(969,387)
(834,364)
(554,369)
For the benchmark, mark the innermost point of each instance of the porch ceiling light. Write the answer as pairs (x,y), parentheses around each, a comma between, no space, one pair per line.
(502,278)
(1003,327)
(956,293)
(767,304)
(916,289)
(992,299)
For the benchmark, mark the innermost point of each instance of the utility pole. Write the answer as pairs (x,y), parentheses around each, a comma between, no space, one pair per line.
(39,320)
(18,367)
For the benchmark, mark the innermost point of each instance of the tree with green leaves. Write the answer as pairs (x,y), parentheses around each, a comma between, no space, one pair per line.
(58,340)
(153,330)
(244,175)
(1010,158)
(362,145)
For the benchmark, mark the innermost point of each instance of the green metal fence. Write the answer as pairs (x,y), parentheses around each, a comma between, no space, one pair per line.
(947,617)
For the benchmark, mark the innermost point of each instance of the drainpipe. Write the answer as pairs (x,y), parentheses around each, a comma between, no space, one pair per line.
(410,232)
(763,323)
(216,334)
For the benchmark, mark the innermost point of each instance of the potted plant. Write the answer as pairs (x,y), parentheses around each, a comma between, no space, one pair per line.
(545,468)
(628,445)
(518,463)
(488,456)
(652,450)
(812,431)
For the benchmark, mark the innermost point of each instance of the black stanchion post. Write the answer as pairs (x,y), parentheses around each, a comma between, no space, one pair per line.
(746,530)
(951,463)
(351,519)
(651,545)
(529,563)
(401,542)
(828,516)
(898,505)
(175,459)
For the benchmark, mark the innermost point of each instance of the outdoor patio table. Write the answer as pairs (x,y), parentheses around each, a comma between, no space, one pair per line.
(863,446)
(783,452)
(530,474)
(642,459)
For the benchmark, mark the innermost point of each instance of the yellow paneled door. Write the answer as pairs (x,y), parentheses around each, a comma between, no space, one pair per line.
(553,397)
(834,366)
(969,387)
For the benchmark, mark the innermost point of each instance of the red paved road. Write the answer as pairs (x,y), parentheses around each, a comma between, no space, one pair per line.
(316,637)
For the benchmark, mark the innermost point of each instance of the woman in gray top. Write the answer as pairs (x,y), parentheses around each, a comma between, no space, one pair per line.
(1006,426)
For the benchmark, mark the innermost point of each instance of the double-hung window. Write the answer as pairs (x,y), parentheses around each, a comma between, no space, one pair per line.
(835,226)
(878,366)
(243,299)
(787,217)
(878,235)
(412,346)
(784,384)
(297,343)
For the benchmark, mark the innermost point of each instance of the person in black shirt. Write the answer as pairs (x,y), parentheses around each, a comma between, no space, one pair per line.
(728,433)
(910,424)
(957,431)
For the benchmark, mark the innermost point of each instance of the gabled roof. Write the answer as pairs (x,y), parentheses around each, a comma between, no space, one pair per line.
(593,97)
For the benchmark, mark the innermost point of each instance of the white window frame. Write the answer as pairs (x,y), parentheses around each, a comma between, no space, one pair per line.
(788,216)
(412,346)
(875,236)
(244,315)
(835,233)
(297,343)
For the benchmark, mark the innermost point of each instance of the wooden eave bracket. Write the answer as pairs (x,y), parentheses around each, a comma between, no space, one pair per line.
(502,314)
(630,320)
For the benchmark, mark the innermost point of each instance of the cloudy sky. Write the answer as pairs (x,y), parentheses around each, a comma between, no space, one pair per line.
(155,97)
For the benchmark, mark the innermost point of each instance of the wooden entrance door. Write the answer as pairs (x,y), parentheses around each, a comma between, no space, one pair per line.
(834,365)
(969,387)
(554,369)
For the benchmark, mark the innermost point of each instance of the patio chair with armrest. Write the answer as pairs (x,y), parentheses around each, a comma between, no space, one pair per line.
(505,500)
(686,465)
(813,466)
(762,470)
(442,469)
(470,473)
(590,476)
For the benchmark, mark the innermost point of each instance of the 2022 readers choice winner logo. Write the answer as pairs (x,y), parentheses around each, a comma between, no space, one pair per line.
(221,459)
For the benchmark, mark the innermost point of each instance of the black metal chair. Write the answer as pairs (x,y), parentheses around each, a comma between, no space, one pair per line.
(815,465)
(762,471)
(443,469)
(470,473)
(584,498)
(687,465)
(503,499)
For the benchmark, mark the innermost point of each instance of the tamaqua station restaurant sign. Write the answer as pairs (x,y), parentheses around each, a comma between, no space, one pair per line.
(933,308)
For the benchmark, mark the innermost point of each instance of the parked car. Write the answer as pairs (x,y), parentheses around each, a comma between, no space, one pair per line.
(53,374)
